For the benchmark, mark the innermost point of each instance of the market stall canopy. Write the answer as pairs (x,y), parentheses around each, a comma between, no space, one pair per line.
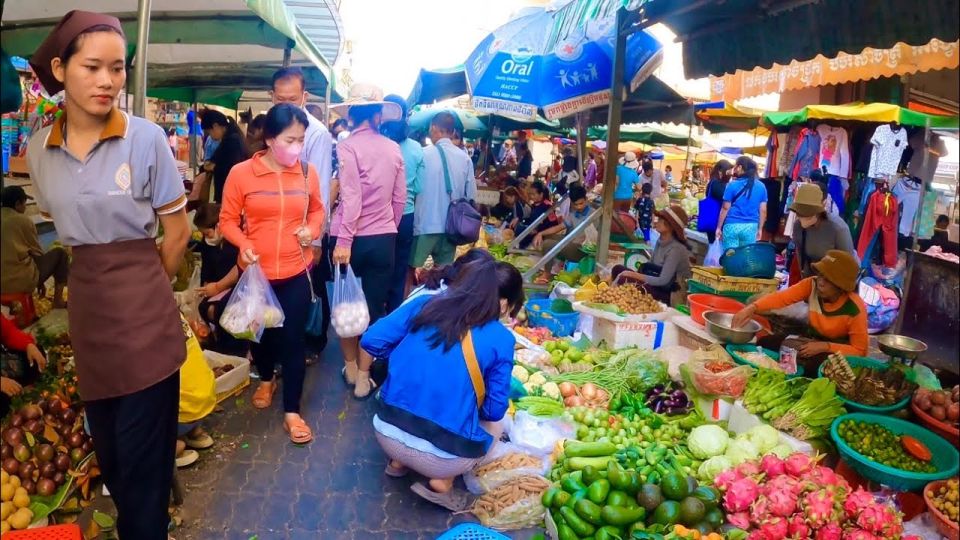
(652,101)
(729,118)
(556,59)
(643,134)
(214,44)
(860,112)
(779,31)
(434,85)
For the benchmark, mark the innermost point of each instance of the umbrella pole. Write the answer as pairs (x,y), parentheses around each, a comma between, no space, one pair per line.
(613,136)
(581,143)
(686,160)
(916,230)
(192,136)
(140,69)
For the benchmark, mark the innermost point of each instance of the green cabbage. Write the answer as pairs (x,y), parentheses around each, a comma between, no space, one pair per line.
(710,468)
(741,450)
(764,437)
(782,451)
(707,441)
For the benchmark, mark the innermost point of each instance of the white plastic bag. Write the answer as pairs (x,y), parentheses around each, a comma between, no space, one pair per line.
(538,436)
(350,316)
(252,307)
(714,252)
(481,480)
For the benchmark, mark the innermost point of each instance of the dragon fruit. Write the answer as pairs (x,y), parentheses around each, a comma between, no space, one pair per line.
(740,520)
(856,502)
(740,495)
(749,468)
(798,528)
(824,476)
(759,510)
(726,478)
(772,466)
(784,483)
(782,503)
(798,464)
(880,519)
(859,534)
(774,529)
(831,531)
(820,508)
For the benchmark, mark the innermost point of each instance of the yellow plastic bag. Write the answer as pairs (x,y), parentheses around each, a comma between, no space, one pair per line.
(198,391)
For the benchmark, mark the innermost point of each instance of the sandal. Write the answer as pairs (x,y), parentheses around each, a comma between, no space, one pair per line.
(263,396)
(454,500)
(363,390)
(298,430)
(200,442)
(395,472)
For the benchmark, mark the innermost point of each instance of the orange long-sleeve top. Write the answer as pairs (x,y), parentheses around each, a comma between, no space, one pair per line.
(842,323)
(271,204)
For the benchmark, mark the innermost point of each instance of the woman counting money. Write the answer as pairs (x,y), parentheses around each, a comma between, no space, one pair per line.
(106,179)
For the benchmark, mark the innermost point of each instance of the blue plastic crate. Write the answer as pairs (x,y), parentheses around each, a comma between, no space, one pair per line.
(471,531)
(559,324)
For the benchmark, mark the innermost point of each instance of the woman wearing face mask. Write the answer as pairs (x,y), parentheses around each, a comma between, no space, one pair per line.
(272,194)
(218,272)
(373,195)
(231,148)
(816,232)
(106,179)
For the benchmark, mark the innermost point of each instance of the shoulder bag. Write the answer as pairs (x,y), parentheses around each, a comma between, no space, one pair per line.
(473,367)
(463,220)
(314,326)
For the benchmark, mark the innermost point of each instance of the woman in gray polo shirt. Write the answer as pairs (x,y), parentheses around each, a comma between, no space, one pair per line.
(106,179)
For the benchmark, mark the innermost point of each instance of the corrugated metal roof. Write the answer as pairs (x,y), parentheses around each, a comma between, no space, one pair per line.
(320,21)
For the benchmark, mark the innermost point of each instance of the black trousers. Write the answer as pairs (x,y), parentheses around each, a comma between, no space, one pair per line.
(286,345)
(135,438)
(320,273)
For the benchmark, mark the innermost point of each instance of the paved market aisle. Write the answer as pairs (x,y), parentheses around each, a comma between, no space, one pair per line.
(255,483)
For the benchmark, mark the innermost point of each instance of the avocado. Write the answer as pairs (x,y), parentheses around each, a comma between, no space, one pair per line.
(692,511)
(714,517)
(668,513)
(704,528)
(674,487)
(710,496)
(692,484)
(649,497)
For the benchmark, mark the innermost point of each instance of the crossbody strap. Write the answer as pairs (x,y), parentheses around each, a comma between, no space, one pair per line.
(305,167)
(738,195)
(446,172)
(473,367)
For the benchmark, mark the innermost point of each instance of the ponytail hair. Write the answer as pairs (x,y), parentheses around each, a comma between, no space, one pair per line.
(471,300)
(749,170)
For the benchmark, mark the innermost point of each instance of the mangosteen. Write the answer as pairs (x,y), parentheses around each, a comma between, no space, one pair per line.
(59,478)
(32,412)
(88,445)
(44,453)
(56,406)
(29,485)
(48,470)
(44,407)
(17,420)
(11,465)
(22,452)
(13,436)
(26,470)
(68,416)
(6,451)
(77,455)
(46,487)
(62,462)
(34,426)
(75,440)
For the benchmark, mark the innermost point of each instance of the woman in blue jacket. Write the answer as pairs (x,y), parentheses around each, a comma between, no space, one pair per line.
(440,407)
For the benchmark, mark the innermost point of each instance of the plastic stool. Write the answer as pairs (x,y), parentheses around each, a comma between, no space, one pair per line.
(53,532)
(471,531)
(26,313)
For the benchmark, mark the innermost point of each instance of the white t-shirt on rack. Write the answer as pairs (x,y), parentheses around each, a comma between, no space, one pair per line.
(888,147)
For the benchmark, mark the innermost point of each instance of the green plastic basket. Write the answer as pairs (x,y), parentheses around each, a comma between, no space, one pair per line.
(697,287)
(853,406)
(735,351)
(945,456)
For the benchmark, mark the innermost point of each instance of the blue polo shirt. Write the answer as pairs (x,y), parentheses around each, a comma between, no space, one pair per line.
(746,209)
(626,179)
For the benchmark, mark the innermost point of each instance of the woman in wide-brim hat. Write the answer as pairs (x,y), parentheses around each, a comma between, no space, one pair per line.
(838,316)
(669,268)
(815,231)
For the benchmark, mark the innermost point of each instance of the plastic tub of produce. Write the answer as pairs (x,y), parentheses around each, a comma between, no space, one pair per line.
(945,430)
(928,416)
(945,458)
(539,313)
(229,380)
(700,303)
(741,355)
(947,527)
(853,406)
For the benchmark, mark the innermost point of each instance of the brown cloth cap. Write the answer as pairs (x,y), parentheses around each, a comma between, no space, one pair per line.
(808,200)
(70,26)
(840,268)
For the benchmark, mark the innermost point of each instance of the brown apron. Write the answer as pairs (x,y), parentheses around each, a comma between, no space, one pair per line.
(124,324)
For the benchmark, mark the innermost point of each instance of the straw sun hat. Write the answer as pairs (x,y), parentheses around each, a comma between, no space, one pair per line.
(368,94)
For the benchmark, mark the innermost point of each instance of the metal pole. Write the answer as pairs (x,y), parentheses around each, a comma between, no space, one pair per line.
(192,137)
(581,142)
(140,68)
(613,136)
(286,56)
(916,229)
(326,104)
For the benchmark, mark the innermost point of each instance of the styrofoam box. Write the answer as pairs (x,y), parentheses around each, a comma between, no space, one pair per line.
(239,375)
(742,420)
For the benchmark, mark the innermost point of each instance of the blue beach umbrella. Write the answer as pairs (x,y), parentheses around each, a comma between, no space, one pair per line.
(557,60)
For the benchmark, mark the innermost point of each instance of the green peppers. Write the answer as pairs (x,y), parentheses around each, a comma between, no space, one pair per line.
(586,509)
(634,484)
(591,474)
(575,497)
(564,532)
(572,483)
(579,526)
(549,495)
(597,491)
(560,499)
(608,533)
(619,498)
(619,479)
(621,515)
(580,463)
(594,449)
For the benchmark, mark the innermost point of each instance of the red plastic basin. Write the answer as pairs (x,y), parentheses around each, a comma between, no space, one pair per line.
(700,303)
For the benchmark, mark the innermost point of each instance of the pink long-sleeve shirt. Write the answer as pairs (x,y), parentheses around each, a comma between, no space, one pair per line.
(373,187)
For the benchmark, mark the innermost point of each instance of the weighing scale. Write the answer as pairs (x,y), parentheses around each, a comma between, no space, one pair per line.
(901,349)
(635,255)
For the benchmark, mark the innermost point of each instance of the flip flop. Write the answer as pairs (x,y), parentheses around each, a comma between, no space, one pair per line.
(263,397)
(202,442)
(395,472)
(298,430)
(453,500)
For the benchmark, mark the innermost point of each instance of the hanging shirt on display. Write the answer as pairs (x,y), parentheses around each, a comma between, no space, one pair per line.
(888,147)
(908,193)
(808,154)
(834,150)
(937,148)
